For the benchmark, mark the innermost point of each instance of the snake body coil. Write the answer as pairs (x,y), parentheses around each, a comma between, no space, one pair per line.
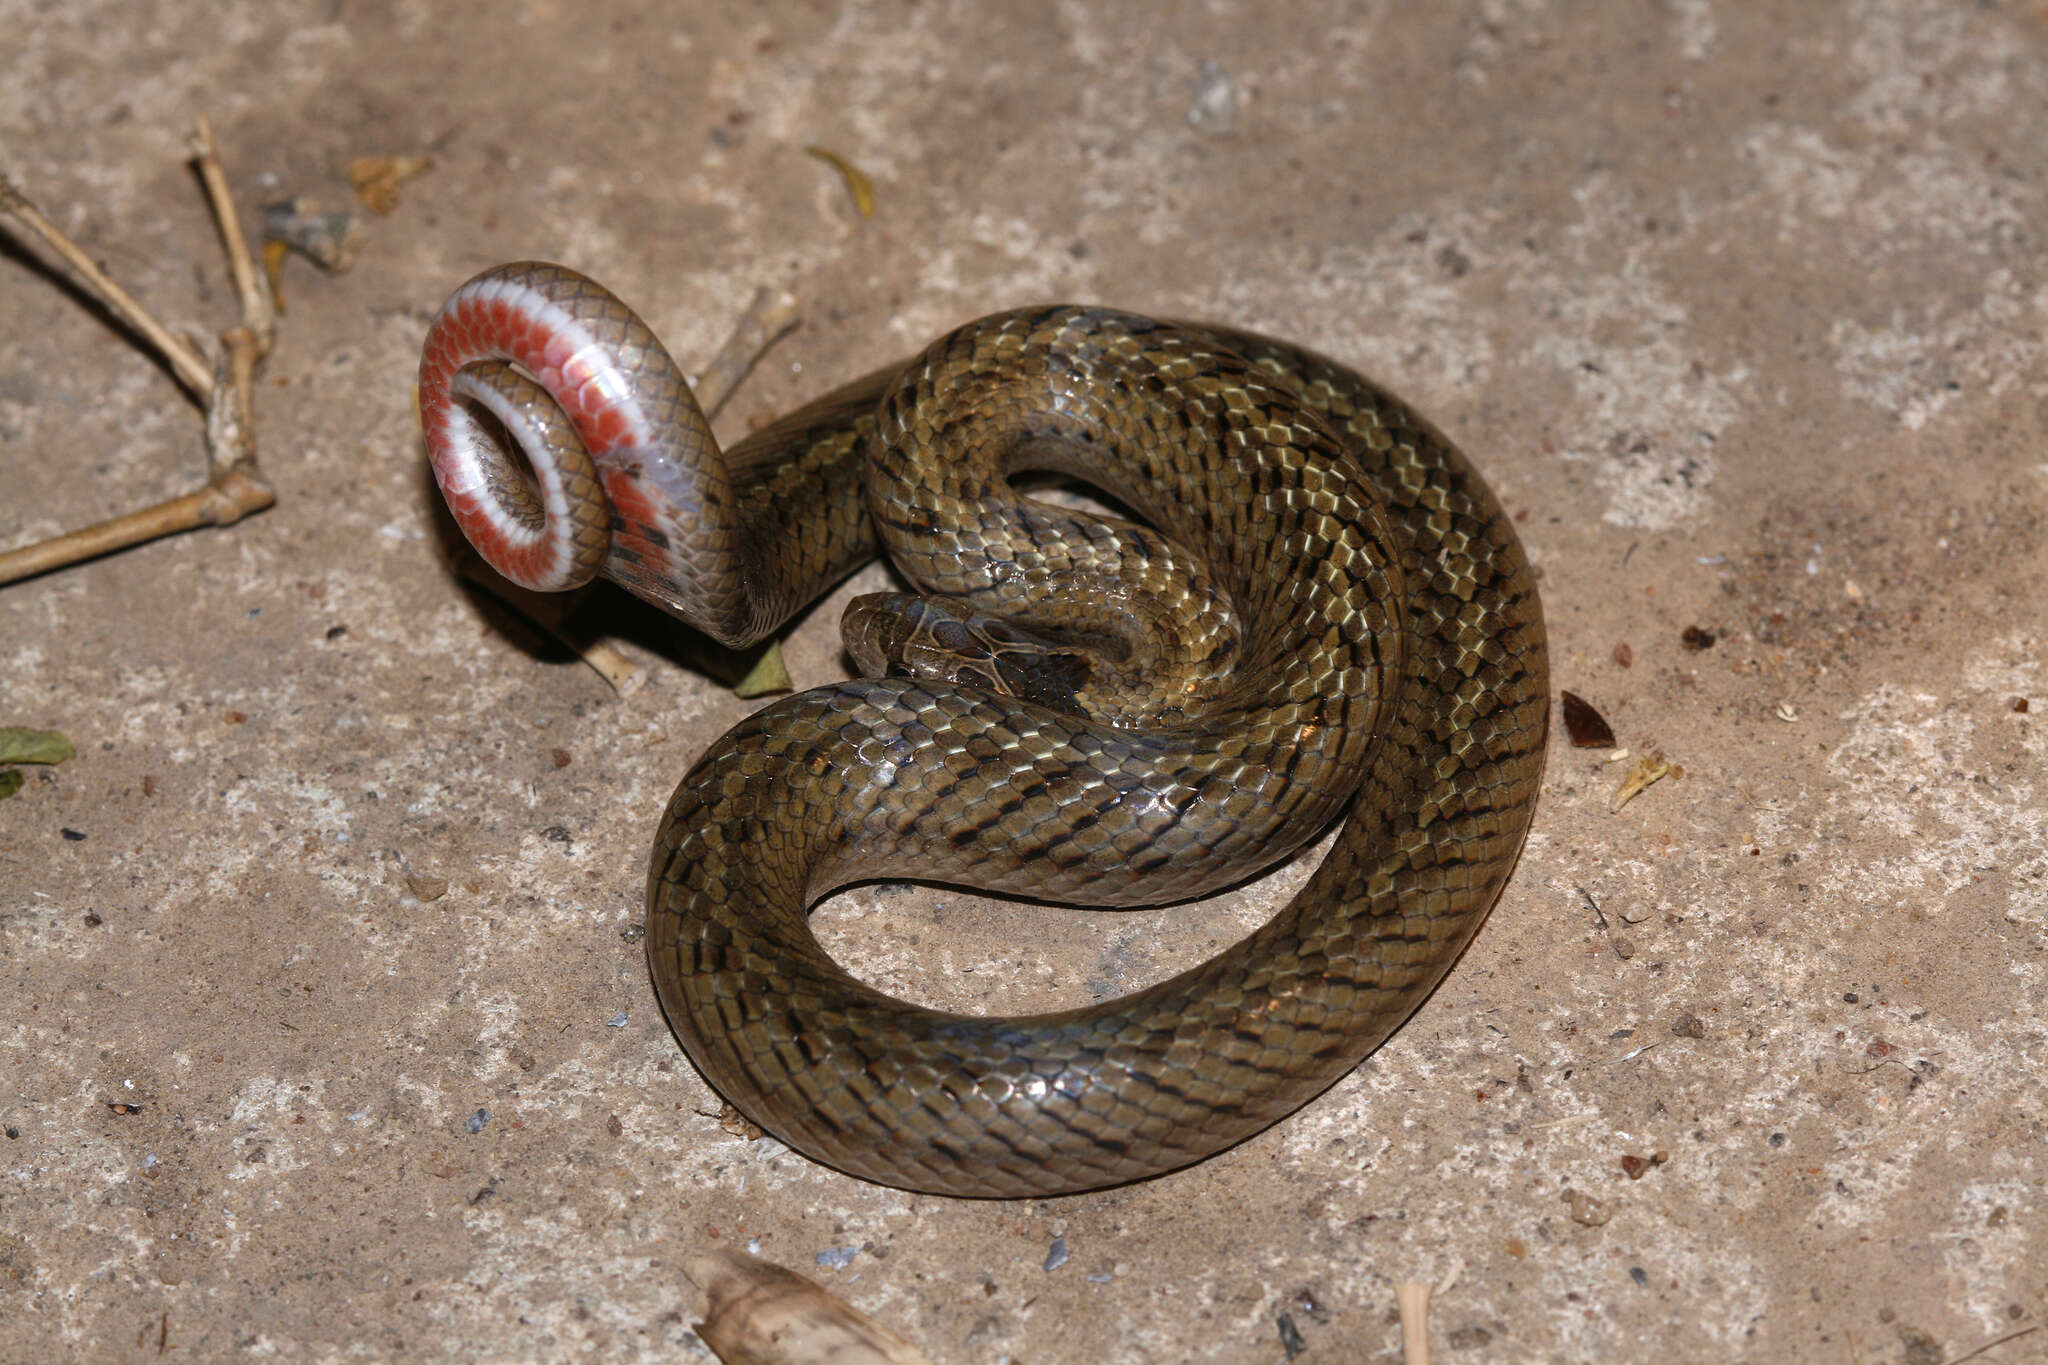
(1328,614)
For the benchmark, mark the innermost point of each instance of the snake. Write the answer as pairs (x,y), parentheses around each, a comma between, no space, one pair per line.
(1291,606)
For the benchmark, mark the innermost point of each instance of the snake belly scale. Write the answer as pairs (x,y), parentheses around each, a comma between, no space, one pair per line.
(1352,632)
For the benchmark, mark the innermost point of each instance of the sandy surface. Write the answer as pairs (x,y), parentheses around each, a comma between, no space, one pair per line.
(1742,308)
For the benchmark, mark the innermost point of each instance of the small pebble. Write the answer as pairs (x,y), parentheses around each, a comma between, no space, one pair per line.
(1291,1340)
(1214,107)
(1057,1255)
(1586,1210)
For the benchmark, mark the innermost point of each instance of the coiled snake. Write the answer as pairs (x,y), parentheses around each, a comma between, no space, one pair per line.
(1332,617)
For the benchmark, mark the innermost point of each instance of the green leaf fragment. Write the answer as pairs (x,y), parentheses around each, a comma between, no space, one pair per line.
(769,674)
(10,782)
(19,744)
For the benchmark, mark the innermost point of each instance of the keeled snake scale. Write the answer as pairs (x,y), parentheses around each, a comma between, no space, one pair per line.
(1346,620)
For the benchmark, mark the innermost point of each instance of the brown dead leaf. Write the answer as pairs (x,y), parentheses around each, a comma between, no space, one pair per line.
(1583,723)
(761,1314)
(377,178)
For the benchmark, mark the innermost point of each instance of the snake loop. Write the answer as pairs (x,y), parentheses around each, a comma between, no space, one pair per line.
(1319,610)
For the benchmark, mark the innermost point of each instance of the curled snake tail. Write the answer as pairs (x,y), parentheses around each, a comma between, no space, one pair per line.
(662,493)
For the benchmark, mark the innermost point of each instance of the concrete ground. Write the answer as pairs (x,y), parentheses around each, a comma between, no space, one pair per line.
(1742,308)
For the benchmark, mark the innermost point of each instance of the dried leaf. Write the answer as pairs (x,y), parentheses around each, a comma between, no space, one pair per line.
(1649,768)
(377,178)
(857,184)
(273,270)
(426,888)
(769,674)
(761,1314)
(19,744)
(1584,725)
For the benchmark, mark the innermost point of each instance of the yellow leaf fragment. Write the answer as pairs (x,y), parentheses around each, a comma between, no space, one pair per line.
(1649,768)
(857,183)
(769,674)
(377,178)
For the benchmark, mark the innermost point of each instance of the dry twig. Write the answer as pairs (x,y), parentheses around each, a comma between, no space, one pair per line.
(235,486)
(1995,1341)
(1413,1301)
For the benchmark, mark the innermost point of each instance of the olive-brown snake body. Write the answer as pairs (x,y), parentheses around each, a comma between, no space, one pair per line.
(1343,620)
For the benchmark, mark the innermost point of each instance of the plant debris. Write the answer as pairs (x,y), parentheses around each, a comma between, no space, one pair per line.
(377,179)
(1651,767)
(19,744)
(857,183)
(758,1313)
(328,240)
(739,1125)
(426,888)
(224,384)
(769,674)
(1584,725)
